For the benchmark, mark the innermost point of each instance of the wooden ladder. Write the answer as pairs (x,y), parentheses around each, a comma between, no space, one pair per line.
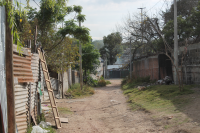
(49,88)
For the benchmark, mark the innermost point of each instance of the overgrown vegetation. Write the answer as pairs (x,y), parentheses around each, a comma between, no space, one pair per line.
(108,82)
(75,91)
(40,118)
(95,83)
(156,97)
(49,129)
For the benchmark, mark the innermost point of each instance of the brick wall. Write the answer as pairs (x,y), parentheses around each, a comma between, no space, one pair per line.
(146,67)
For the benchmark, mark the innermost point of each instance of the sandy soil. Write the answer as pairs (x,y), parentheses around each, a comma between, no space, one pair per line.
(108,112)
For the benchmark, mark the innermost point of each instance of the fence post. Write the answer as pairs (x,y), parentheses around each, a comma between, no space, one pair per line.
(9,78)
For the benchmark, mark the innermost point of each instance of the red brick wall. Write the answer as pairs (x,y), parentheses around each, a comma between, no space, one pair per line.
(146,67)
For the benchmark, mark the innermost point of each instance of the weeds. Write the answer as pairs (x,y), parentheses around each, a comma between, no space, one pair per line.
(39,119)
(108,82)
(157,97)
(75,91)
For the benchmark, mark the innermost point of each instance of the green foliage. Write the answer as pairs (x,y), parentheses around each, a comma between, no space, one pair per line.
(157,97)
(90,58)
(41,118)
(64,56)
(75,91)
(12,9)
(108,82)
(78,9)
(101,83)
(111,46)
(81,17)
(98,44)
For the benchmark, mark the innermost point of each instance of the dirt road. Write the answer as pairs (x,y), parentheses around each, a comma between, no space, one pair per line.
(104,112)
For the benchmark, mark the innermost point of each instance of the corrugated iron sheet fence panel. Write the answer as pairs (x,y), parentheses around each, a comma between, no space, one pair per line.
(3,95)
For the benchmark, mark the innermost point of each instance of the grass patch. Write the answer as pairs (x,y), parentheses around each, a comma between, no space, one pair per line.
(108,82)
(76,92)
(64,110)
(157,97)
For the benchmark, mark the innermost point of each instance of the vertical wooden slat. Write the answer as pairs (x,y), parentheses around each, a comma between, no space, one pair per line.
(49,88)
(9,77)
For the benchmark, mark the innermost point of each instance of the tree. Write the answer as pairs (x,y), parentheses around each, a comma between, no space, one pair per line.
(184,9)
(90,58)
(111,46)
(98,44)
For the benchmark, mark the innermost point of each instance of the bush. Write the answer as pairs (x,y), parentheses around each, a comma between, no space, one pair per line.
(102,83)
(124,81)
(95,83)
(108,82)
(75,91)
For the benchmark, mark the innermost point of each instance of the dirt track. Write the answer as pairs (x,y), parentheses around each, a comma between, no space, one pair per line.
(105,112)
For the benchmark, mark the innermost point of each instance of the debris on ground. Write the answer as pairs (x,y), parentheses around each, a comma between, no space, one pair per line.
(141,88)
(38,129)
(44,124)
(167,80)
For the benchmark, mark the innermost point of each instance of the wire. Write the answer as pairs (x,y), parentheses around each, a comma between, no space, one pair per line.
(36,3)
(153,6)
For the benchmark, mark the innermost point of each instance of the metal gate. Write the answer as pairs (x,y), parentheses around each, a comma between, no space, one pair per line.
(3,94)
(114,74)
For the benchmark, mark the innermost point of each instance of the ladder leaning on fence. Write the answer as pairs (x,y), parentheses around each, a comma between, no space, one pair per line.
(49,88)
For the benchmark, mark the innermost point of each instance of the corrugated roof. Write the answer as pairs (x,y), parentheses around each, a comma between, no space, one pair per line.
(114,66)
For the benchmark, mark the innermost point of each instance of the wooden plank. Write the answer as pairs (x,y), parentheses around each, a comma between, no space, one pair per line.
(64,120)
(49,88)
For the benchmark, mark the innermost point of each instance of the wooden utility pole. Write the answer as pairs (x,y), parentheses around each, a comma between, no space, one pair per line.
(9,77)
(130,60)
(142,22)
(35,48)
(175,43)
(80,58)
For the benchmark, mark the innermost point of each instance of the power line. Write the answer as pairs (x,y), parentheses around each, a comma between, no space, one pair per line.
(153,6)
(36,3)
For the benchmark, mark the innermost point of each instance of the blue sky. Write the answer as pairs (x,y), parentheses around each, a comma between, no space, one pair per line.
(102,16)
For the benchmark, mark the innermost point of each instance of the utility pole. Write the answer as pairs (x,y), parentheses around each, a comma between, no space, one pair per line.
(9,76)
(175,43)
(130,60)
(35,48)
(80,66)
(142,22)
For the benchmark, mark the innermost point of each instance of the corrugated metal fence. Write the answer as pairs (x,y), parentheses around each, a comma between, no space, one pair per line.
(3,95)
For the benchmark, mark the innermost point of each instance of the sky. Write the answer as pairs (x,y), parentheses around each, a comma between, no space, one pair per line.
(102,16)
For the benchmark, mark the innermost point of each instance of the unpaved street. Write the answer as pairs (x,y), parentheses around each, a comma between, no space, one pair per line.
(108,112)
(104,112)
